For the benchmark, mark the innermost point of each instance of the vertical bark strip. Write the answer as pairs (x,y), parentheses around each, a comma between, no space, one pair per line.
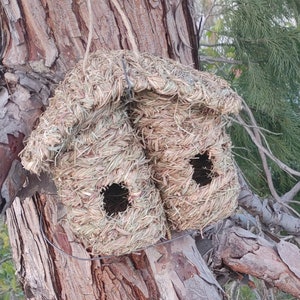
(180,272)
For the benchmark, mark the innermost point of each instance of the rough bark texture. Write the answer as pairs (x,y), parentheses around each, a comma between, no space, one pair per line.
(180,272)
(53,34)
(49,273)
(277,263)
(41,40)
(171,271)
(271,213)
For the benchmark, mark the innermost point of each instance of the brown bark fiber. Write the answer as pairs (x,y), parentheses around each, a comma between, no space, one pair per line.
(43,39)
(275,263)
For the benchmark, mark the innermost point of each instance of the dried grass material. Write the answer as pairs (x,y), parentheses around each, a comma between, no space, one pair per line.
(173,134)
(80,96)
(102,155)
(83,142)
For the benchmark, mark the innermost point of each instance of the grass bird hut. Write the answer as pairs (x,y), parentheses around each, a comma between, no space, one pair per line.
(131,139)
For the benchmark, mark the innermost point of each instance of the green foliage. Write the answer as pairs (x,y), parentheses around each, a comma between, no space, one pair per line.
(8,282)
(264,36)
(245,292)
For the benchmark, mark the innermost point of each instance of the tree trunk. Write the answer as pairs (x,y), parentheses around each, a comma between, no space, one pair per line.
(41,40)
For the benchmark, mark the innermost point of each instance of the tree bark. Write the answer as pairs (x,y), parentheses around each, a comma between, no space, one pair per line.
(276,262)
(42,40)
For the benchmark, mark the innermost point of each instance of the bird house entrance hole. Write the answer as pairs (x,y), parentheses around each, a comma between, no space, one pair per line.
(115,199)
(202,166)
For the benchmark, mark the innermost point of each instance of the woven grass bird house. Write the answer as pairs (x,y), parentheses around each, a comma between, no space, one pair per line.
(128,119)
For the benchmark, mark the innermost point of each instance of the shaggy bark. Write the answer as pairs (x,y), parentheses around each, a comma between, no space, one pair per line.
(277,263)
(271,213)
(170,271)
(40,41)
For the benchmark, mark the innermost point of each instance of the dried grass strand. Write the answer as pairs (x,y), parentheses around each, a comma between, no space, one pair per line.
(92,135)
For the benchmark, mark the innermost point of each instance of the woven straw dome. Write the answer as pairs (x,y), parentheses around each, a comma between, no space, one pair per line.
(93,137)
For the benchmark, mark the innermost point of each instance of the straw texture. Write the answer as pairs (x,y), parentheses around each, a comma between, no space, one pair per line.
(174,133)
(103,124)
(106,154)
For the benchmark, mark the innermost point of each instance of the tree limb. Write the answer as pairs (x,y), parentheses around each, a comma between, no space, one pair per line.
(280,164)
(257,133)
(2,261)
(292,193)
(204,20)
(268,213)
(275,263)
(216,45)
(220,60)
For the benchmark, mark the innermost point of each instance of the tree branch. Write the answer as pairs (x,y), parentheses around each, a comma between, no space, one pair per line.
(275,262)
(220,60)
(216,45)
(204,20)
(292,193)
(2,261)
(280,164)
(257,134)
(268,214)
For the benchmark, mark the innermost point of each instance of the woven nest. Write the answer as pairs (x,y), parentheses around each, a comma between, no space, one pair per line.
(99,124)
(191,157)
(105,182)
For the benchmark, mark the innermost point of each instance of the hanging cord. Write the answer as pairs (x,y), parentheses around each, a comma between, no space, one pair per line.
(89,41)
(127,25)
(104,256)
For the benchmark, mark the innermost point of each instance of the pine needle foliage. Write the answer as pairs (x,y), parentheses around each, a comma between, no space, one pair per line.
(9,286)
(264,36)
